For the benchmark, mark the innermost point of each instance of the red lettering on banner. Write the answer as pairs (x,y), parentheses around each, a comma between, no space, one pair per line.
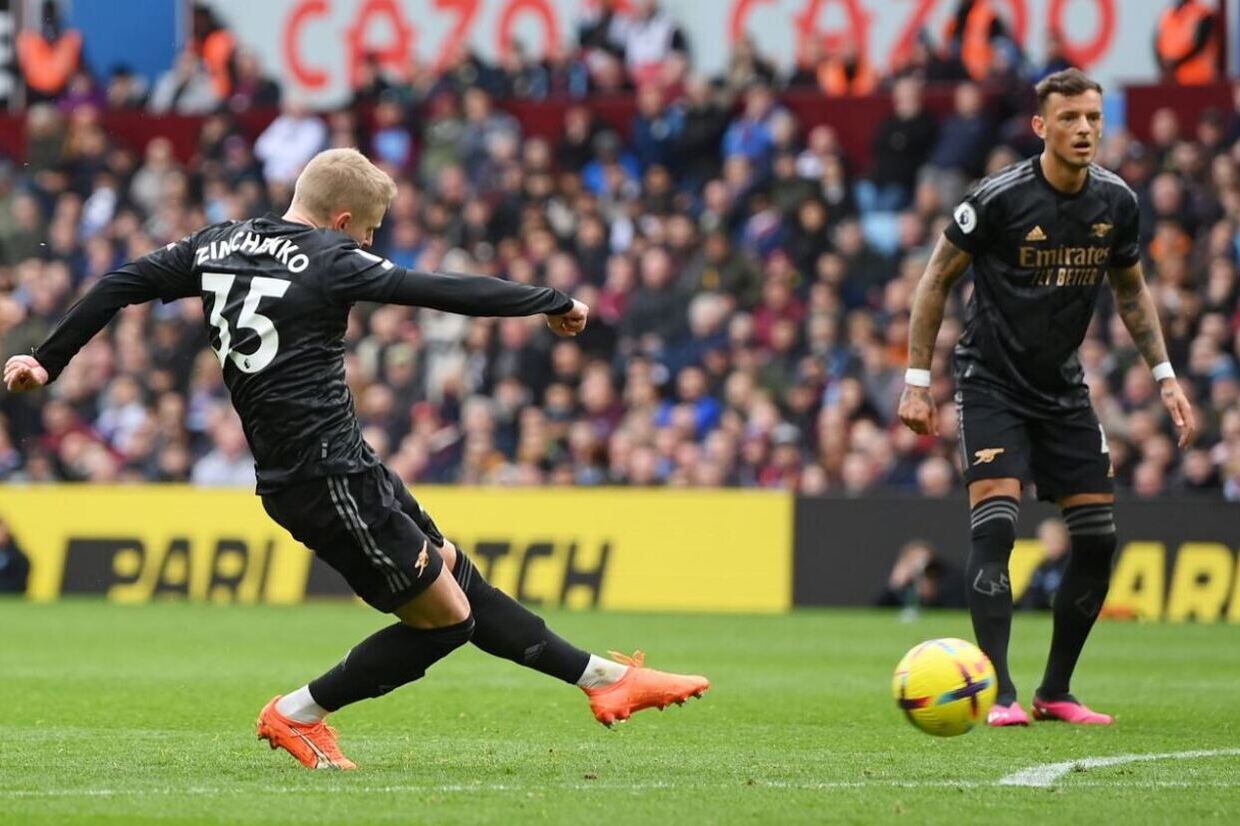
(917,21)
(1084,54)
(466,11)
(741,9)
(858,26)
(304,74)
(508,19)
(395,53)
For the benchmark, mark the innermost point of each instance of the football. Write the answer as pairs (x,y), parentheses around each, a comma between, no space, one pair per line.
(944,687)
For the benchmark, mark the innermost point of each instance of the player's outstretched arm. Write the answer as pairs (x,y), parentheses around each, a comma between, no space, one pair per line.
(1136,308)
(475,295)
(947,263)
(165,273)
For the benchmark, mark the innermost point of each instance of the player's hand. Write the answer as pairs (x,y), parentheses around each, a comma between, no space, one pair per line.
(570,323)
(1181,411)
(23,373)
(917,410)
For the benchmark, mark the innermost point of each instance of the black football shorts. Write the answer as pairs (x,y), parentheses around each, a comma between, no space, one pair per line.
(369,528)
(1065,453)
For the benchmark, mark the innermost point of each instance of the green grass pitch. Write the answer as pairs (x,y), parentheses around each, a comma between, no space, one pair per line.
(146,714)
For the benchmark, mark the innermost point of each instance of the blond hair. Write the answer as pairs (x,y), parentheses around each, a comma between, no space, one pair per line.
(339,180)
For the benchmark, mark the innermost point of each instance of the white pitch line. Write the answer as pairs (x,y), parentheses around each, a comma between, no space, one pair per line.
(1048,773)
(827,785)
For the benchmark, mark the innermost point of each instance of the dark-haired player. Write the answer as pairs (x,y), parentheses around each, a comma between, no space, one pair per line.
(277,293)
(1041,236)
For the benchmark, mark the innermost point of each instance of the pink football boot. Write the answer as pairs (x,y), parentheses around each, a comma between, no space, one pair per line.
(1011,715)
(1069,711)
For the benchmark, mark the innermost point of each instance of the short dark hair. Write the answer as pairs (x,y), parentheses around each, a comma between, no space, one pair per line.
(1068,83)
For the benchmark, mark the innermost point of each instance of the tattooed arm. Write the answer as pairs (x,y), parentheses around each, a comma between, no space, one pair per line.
(946,265)
(1136,308)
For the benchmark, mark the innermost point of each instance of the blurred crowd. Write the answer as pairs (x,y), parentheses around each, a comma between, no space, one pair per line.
(621,47)
(750,285)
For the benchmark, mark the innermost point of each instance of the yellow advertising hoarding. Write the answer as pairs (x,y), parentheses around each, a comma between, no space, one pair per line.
(606,548)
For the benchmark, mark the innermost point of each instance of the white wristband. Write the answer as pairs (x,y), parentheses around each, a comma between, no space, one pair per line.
(1163,370)
(917,378)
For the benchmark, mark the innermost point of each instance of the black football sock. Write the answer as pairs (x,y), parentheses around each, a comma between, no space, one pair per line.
(1081,593)
(992,534)
(505,628)
(386,660)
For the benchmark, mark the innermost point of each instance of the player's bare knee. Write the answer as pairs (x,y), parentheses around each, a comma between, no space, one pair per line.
(1079,499)
(984,489)
(458,610)
(441,605)
(448,552)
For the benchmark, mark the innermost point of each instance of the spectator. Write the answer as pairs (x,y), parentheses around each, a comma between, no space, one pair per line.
(960,151)
(972,35)
(483,128)
(746,67)
(845,71)
(650,39)
(49,55)
(126,90)
(289,142)
(901,145)
(1186,43)
(656,128)
(391,144)
(252,89)
(700,138)
(920,579)
(185,89)
(442,137)
(750,135)
(156,176)
(229,463)
(1039,595)
(370,82)
(216,47)
(655,315)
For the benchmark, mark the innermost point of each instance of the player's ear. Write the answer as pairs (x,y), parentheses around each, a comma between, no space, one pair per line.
(342,220)
(1039,125)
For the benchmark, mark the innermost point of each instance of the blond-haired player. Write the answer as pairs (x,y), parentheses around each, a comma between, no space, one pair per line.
(276,294)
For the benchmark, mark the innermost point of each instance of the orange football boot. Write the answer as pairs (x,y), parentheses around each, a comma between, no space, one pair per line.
(641,688)
(314,744)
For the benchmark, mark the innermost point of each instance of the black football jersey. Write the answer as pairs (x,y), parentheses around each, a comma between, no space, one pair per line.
(1040,256)
(276,296)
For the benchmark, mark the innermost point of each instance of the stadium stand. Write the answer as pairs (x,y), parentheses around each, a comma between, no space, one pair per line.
(750,269)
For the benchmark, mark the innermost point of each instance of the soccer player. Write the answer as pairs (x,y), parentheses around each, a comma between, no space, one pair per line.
(276,295)
(1041,236)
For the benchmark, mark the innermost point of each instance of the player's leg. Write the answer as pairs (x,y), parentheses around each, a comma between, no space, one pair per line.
(356,525)
(1072,467)
(505,628)
(994,451)
(431,626)
(993,508)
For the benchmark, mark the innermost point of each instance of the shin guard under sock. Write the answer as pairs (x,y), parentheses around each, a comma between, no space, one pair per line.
(1081,593)
(992,534)
(505,628)
(385,660)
